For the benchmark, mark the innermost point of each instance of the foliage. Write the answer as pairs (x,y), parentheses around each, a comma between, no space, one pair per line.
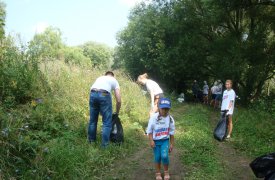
(46,45)
(2,19)
(74,55)
(36,135)
(178,41)
(254,131)
(19,76)
(99,54)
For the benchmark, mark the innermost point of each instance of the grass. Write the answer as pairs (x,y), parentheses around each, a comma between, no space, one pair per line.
(48,140)
(194,137)
(253,136)
(254,132)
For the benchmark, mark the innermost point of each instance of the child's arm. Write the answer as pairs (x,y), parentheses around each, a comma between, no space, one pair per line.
(152,143)
(172,141)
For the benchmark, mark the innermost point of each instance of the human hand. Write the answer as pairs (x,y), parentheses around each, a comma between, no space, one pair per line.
(152,144)
(171,148)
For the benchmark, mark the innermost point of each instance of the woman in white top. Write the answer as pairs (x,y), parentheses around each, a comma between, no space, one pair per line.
(154,89)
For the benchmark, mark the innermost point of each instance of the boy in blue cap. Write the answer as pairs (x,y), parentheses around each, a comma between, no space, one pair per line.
(161,129)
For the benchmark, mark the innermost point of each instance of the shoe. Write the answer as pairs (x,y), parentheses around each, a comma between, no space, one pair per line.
(166,175)
(158,176)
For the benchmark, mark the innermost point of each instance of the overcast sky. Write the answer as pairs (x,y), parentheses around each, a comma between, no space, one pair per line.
(79,20)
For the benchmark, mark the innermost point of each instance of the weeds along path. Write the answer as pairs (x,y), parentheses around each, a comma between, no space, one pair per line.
(234,164)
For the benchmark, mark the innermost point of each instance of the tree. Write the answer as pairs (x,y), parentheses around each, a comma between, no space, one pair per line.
(181,40)
(99,54)
(47,45)
(74,55)
(2,19)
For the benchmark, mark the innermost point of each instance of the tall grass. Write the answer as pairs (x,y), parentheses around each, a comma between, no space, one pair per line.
(46,138)
(254,132)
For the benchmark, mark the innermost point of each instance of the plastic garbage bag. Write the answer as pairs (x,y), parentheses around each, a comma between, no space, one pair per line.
(220,131)
(117,135)
(264,166)
(270,177)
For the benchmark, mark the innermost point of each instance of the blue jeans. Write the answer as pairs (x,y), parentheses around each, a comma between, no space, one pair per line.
(100,102)
(161,151)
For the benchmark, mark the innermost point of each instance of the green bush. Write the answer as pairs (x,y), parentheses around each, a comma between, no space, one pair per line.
(74,55)
(19,75)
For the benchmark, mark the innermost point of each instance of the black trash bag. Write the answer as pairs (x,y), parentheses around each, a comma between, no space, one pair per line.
(264,166)
(270,177)
(220,131)
(117,135)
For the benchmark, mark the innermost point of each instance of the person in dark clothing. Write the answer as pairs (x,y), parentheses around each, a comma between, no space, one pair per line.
(195,89)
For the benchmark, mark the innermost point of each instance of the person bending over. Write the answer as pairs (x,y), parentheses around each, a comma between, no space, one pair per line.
(101,102)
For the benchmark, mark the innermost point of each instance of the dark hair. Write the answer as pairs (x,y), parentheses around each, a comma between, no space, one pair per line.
(109,73)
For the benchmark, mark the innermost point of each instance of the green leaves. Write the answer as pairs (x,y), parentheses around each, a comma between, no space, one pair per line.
(100,55)
(2,19)
(47,45)
(179,41)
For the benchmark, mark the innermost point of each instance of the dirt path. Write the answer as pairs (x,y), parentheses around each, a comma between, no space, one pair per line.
(140,166)
(232,161)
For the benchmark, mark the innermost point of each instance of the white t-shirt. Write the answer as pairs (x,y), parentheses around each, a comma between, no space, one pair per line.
(214,89)
(107,83)
(161,127)
(227,97)
(205,89)
(153,87)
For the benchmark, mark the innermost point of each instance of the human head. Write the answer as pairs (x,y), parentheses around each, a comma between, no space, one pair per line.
(142,78)
(195,81)
(205,82)
(164,106)
(215,83)
(109,73)
(228,84)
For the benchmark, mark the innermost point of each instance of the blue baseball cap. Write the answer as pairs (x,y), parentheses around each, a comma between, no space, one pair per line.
(164,103)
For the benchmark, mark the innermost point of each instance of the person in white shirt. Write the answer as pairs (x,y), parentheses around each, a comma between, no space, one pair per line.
(213,93)
(154,89)
(205,92)
(218,98)
(161,130)
(228,102)
(101,102)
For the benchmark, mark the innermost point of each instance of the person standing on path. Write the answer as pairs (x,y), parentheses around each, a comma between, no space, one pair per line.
(228,102)
(101,102)
(154,89)
(161,130)
(213,94)
(195,90)
(218,98)
(205,92)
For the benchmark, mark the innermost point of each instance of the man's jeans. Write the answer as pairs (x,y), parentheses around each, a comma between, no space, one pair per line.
(100,102)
